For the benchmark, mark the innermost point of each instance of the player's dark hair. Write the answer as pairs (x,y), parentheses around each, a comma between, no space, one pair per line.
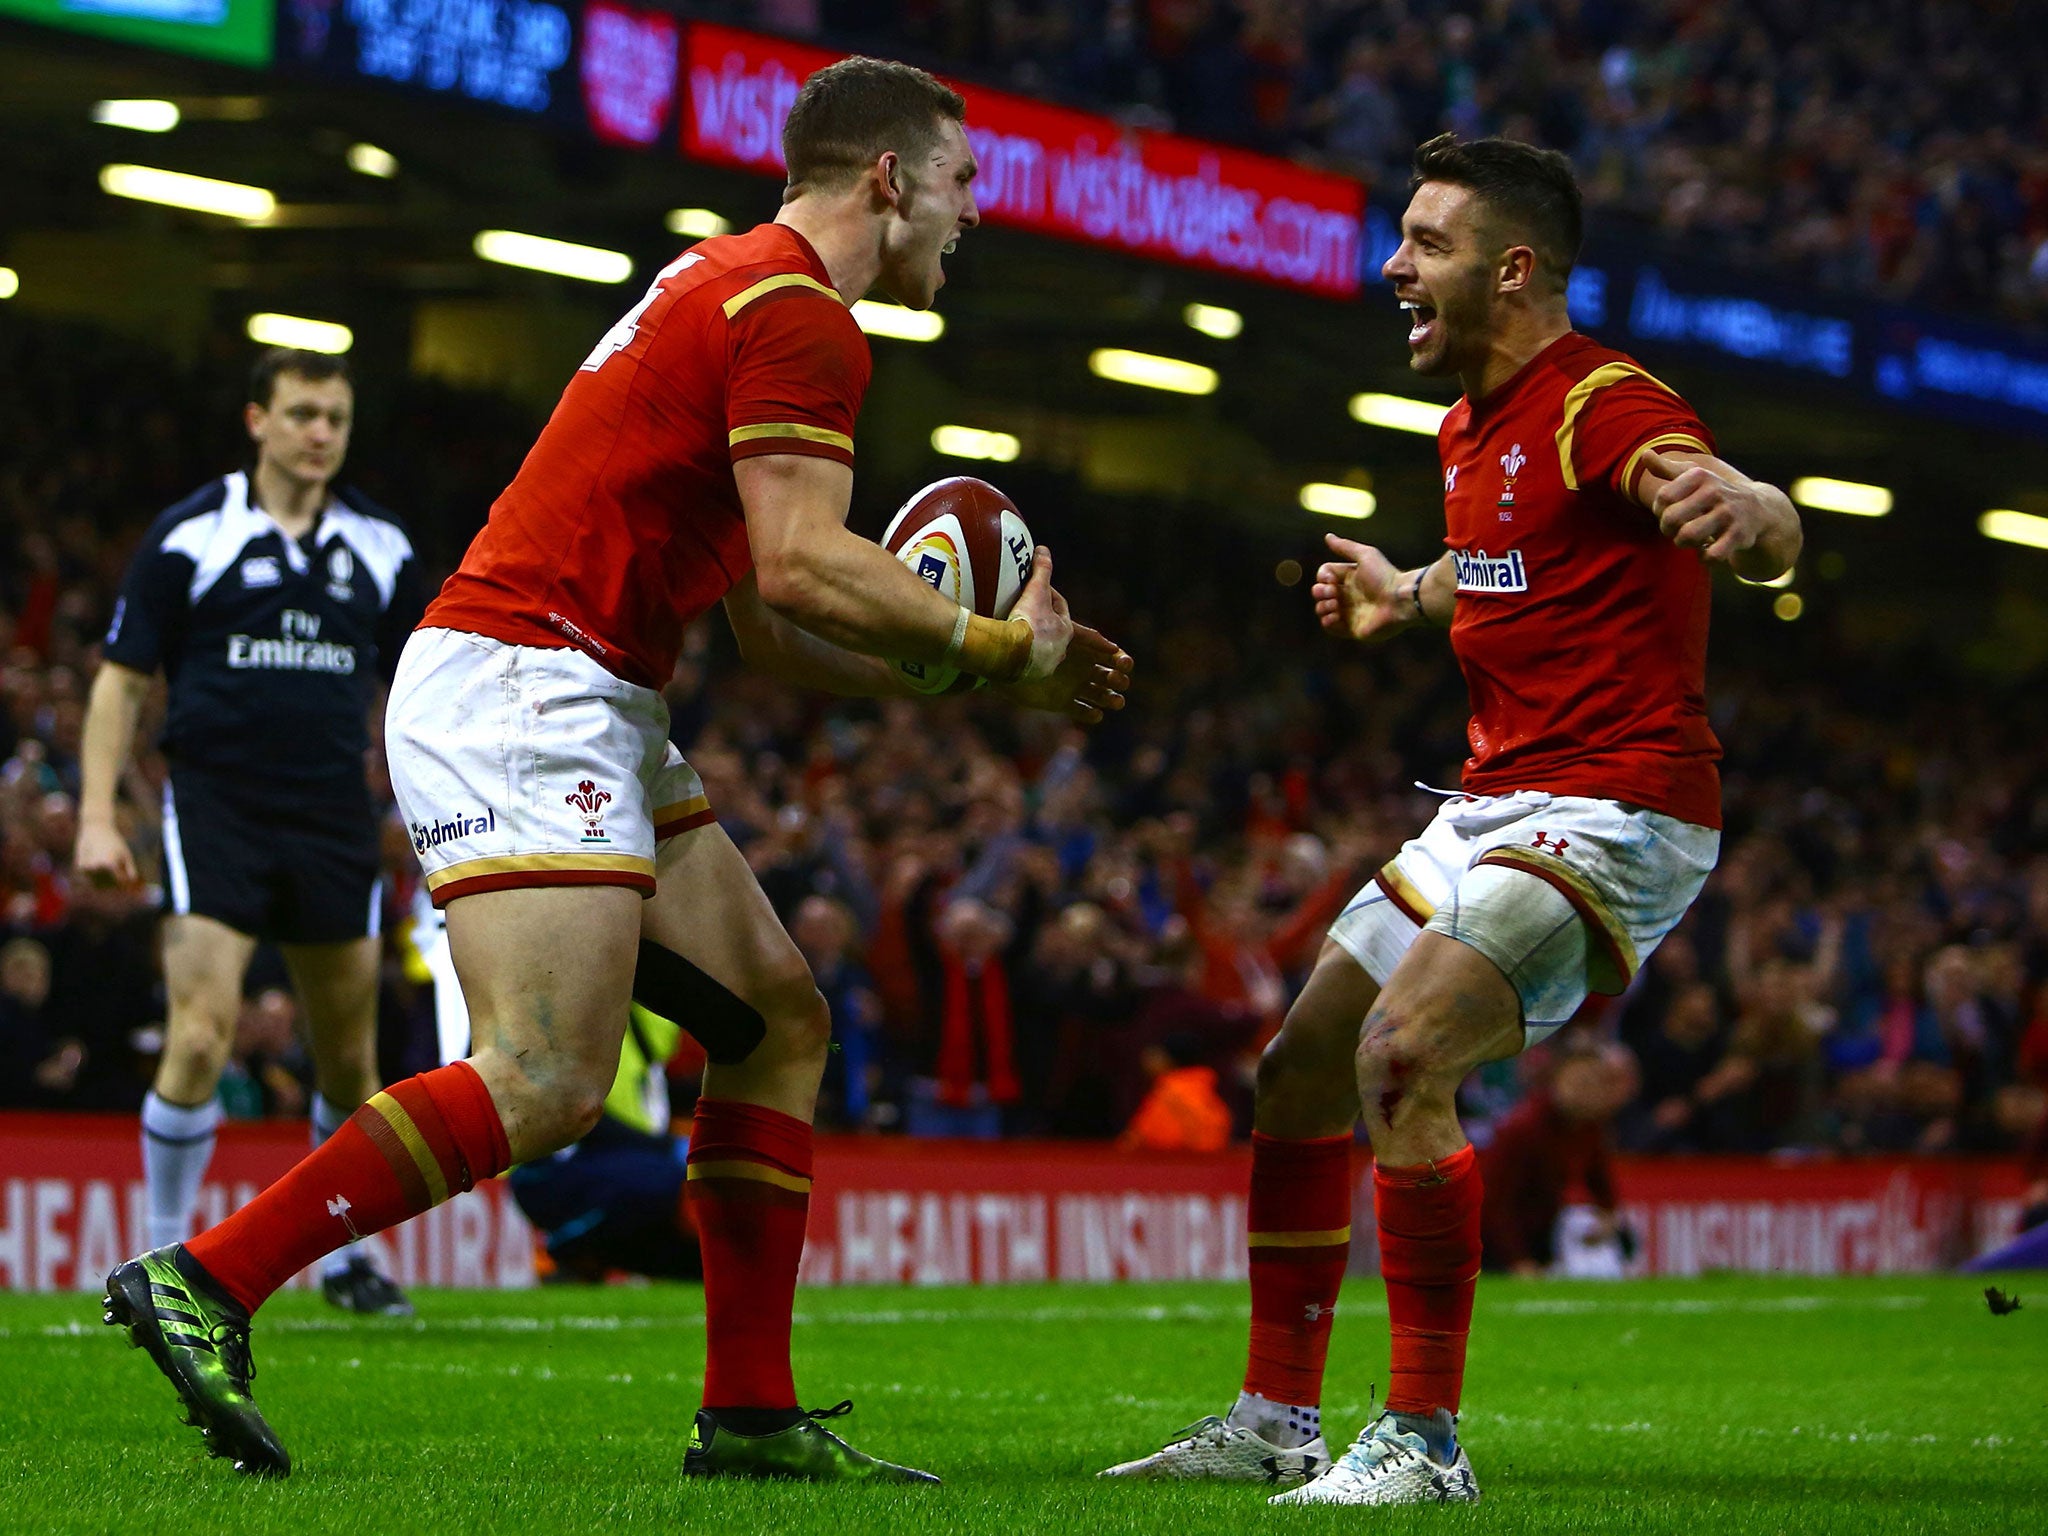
(849,113)
(311,366)
(1532,191)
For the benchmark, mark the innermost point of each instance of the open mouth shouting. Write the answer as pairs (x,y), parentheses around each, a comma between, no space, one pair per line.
(1422,322)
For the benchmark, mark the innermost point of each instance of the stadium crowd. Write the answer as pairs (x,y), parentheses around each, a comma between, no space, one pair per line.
(1023,928)
(1883,147)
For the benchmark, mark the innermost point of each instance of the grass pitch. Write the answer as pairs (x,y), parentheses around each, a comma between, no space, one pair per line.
(1730,1404)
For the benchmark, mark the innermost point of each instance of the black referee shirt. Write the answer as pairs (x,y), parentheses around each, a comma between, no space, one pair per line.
(273,646)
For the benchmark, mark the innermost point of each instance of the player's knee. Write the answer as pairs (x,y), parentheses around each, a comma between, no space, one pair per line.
(799,1022)
(200,1031)
(1398,1059)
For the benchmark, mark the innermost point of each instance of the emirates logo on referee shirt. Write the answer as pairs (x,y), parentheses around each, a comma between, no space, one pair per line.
(589,802)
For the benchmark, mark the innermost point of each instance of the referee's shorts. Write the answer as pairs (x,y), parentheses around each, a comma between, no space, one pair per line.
(292,871)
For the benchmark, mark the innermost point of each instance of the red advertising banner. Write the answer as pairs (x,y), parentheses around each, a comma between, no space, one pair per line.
(72,1206)
(1064,173)
(891,1211)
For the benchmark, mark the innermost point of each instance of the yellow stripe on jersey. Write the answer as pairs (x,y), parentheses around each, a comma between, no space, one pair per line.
(768,285)
(824,435)
(1667,440)
(1575,402)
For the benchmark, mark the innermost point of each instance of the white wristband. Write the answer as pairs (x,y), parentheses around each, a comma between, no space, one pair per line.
(958,643)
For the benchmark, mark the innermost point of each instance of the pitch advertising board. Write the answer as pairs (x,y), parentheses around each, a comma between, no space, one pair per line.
(236,30)
(1064,173)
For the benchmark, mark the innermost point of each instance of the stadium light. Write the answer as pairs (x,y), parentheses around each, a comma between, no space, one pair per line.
(201,194)
(563,258)
(1150,372)
(302,334)
(1825,495)
(1788,606)
(696,223)
(2015,528)
(898,323)
(10,282)
(142,116)
(1338,500)
(1397,413)
(1214,320)
(369,160)
(973,443)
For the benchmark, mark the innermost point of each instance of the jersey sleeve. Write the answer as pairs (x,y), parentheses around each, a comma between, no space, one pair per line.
(799,369)
(149,615)
(1621,416)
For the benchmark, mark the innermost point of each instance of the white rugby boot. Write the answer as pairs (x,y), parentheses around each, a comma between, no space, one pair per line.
(1214,1450)
(1391,1465)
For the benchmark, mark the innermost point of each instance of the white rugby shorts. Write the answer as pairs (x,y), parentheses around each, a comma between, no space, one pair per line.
(519,765)
(1567,895)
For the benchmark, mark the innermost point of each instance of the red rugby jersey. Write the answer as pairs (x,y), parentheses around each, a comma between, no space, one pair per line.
(1581,629)
(624,523)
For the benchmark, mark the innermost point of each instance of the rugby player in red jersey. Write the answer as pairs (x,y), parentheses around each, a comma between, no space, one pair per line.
(1584,505)
(703,453)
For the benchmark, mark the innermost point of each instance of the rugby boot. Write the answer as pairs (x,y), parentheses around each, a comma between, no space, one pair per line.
(1215,1450)
(359,1288)
(804,1450)
(1396,1460)
(199,1337)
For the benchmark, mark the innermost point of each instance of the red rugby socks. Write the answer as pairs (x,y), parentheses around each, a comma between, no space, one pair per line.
(1429,1257)
(749,1190)
(1299,1232)
(409,1148)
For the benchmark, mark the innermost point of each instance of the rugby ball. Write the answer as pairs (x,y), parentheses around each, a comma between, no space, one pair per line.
(969,541)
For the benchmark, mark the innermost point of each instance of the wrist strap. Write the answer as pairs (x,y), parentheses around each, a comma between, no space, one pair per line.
(1415,596)
(997,649)
(958,643)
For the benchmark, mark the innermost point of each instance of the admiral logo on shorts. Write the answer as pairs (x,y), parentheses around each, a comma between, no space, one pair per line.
(589,802)
(425,835)
(1480,572)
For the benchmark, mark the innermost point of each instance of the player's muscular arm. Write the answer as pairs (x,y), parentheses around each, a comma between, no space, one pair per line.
(1706,504)
(780,648)
(1362,594)
(101,854)
(843,589)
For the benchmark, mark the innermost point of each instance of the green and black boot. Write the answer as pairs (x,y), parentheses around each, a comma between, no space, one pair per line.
(198,1336)
(800,1448)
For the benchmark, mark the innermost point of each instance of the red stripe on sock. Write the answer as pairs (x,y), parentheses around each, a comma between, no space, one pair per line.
(1298,1187)
(1429,1256)
(348,1186)
(752,1237)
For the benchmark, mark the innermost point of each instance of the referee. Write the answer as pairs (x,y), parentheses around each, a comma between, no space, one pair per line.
(275,605)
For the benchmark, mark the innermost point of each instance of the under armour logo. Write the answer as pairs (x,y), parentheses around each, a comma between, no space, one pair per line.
(1456,1481)
(1316,1310)
(1549,844)
(1450,479)
(340,1207)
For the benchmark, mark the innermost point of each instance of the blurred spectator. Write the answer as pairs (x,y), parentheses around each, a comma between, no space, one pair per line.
(266,1072)
(1554,1149)
(1182,1111)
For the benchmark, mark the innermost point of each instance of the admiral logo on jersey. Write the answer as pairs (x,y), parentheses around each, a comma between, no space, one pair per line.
(1479,572)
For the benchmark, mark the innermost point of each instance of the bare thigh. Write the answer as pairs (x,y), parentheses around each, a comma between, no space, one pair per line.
(709,908)
(337,985)
(547,972)
(204,963)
